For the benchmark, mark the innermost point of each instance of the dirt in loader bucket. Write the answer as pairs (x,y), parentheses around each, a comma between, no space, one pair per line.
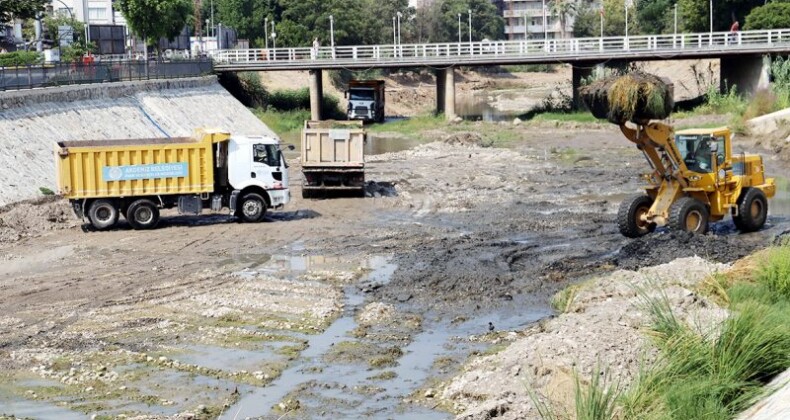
(636,96)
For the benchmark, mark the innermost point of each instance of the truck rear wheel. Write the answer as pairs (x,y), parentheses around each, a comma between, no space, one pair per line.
(252,208)
(630,214)
(143,214)
(689,214)
(752,210)
(103,214)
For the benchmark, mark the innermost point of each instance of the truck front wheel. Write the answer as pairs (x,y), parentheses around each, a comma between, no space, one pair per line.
(103,214)
(143,214)
(252,208)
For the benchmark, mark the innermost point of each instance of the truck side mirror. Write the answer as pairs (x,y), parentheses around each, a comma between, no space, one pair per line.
(291,147)
(714,147)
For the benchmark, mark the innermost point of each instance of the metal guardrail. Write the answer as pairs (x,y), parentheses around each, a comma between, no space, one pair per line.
(461,52)
(45,75)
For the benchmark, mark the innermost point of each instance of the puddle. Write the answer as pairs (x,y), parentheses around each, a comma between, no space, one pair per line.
(379,144)
(230,359)
(12,406)
(343,390)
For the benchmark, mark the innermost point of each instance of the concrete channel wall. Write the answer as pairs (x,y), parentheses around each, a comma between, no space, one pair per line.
(32,121)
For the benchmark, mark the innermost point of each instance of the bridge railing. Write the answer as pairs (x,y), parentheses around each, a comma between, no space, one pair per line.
(466,51)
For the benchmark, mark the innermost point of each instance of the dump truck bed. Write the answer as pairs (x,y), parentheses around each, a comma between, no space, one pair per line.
(333,144)
(136,167)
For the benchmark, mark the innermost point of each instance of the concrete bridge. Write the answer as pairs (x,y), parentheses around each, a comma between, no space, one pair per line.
(745,57)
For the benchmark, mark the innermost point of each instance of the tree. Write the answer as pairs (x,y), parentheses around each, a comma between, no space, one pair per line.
(562,9)
(588,21)
(695,17)
(486,21)
(21,9)
(770,16)
(247,17)
(614,18)
(155,19)
(655,16)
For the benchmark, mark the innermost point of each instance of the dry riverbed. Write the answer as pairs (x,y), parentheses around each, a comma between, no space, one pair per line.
(346,307)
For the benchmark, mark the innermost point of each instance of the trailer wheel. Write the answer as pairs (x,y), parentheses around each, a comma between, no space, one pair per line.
(143,214)
(689,214)
(752,210)
(629,216)
(252,208)
(103,214)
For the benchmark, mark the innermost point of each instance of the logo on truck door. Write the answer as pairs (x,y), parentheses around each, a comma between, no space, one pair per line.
(150,171)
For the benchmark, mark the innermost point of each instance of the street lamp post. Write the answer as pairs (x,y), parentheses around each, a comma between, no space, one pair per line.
(710,12)
(676,18)
(601,13)
(399,15)
(459,28)
(526,26)
(266,32)
(394,33)
(545,30)
(332,31)
(274,37)
(470,27)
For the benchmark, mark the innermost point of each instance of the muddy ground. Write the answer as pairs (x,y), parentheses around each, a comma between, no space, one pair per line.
(337,308)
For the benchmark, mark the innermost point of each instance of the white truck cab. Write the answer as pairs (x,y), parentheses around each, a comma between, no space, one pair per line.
(256,165)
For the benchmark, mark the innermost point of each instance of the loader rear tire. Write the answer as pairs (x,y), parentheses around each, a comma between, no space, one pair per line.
(142,214)
(629,216)
(752,210)
(690,215)
(103,214)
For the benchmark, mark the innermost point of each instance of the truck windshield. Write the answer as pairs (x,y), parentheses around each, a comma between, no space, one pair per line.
(266,154)
(361,94)
(695,150)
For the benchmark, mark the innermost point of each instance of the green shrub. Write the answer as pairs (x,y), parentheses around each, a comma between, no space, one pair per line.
(763,102)
(246,87)
(295,99)
(774,272)
(20,58)
(717,102)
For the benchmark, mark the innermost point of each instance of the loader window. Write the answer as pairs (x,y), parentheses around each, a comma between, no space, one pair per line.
(695,151)
(266,154)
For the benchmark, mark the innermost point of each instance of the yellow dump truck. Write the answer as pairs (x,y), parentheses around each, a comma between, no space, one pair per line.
(333,156)
(213,170)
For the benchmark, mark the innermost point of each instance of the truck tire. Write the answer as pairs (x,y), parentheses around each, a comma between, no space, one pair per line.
(143,214)
(752,210)
(252,208)
(629,216)
(690,215)
(103,214)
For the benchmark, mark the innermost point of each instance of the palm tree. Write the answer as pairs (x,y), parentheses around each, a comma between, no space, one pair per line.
(563,9)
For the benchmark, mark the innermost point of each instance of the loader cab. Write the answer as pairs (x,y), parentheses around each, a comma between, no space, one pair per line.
(704,150)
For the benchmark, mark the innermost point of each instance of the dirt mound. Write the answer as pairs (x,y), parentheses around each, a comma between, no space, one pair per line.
(636,96)
(778,142)
(663,248)
(33,217)
(466,138)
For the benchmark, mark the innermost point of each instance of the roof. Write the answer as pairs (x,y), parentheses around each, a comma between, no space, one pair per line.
(698,131)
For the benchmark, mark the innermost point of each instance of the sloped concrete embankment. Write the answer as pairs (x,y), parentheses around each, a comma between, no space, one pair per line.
(32,121)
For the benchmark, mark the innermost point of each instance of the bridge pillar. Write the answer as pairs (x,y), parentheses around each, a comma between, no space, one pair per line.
(441,80)
(749,73)
(449,93)
(580,73)
(316,94)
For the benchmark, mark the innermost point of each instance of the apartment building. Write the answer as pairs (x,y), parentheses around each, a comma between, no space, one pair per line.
(524,20)
(92,12)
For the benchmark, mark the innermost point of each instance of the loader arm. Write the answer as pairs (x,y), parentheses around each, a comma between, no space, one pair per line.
(656,141)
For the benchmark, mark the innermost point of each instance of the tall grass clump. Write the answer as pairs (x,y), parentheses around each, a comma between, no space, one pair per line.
(718,374)
(596,400)
(717,102)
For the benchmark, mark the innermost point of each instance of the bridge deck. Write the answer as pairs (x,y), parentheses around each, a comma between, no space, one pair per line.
(590,50)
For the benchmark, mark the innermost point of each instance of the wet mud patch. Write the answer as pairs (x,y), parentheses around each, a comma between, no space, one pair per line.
(664,247)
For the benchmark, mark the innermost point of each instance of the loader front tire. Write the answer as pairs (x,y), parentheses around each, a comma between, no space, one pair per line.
(752,210)
(103,214)
(629,216)
(689,214)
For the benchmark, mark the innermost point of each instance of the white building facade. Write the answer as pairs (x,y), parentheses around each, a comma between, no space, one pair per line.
(524,20)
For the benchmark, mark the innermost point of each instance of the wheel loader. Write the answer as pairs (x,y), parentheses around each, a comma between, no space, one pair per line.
(696,179)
